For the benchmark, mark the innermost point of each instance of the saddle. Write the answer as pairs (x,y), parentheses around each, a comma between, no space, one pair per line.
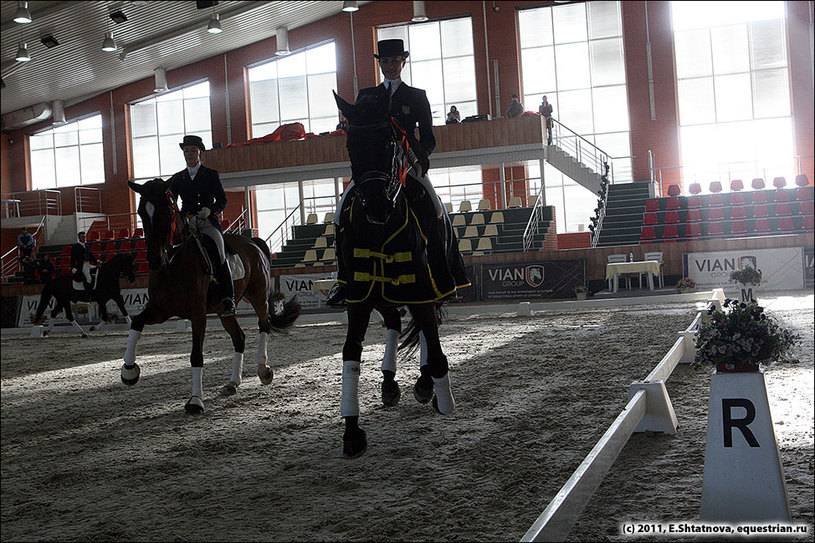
(80,285)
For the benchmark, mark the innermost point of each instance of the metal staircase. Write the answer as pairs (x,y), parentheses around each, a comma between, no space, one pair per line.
(577,158)
(624,214)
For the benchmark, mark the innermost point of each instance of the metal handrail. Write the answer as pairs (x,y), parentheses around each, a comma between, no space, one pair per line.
(36,202)
(580,148)
(81,200)
(532,225)
(284,230)
(10,261)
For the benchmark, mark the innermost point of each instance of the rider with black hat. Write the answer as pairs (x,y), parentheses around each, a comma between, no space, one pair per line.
(411,108)
(81,259)
(202,197)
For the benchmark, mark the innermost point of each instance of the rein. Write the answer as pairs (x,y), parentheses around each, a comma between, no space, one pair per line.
(174,211)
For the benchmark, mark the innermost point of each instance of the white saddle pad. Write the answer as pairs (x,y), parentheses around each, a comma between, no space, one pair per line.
(236,267)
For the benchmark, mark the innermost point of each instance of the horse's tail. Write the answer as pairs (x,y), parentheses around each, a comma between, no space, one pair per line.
(410,336)
(45,298)
(291,310)
(263,247)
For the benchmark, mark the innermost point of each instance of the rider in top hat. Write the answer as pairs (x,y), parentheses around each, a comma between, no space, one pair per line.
(202,197)
(81,259)
(410,107)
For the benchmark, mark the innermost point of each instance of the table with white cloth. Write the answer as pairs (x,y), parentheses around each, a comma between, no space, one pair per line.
(649,267)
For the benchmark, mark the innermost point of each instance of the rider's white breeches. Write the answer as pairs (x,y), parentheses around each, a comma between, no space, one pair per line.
(205,227)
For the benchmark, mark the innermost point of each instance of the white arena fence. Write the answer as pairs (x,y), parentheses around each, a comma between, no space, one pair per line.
(649,409)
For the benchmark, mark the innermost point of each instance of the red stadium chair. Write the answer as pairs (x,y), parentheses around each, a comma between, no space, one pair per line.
(105,235)
(141,256)
(694,201)
(647,234)
(759,197)
(139,245)
(757,183)
(779,182)
(736,184)
(224,224)
(716,214)
(738,228)
(783,210)
(66,250)
(716,186)
(693,230)
(674,190)
(650,218)
(801,180)
(715,200)
(781,195)
(715,229)
(109,247)
(694,215)
(138,233)
(785,224)
(670,232)
(808,222)
(123,233)
(806,208)
(760,211)
(803,193)
(737,199)
(142,268)
(695,188)
(671,217)
(738,213)
(652,205)
(93,235)
(673,203)
(761,226)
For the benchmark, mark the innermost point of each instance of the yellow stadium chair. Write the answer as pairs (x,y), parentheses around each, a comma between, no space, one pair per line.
(312,218)
(465,206)
(471,232)
(497,217)
(515,201)
(490,231)
(478,218)
(484,205)
(458,220)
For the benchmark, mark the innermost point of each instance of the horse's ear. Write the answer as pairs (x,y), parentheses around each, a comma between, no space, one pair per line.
(348,110)
(134,186)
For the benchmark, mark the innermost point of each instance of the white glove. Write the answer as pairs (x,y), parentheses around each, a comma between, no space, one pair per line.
(204,213)
(73,270)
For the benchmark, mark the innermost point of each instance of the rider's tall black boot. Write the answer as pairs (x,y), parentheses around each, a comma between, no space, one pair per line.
(227,290)
(336,296)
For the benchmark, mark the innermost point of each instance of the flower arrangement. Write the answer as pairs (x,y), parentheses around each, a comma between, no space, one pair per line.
(686,282)
(748,274)
(741,335)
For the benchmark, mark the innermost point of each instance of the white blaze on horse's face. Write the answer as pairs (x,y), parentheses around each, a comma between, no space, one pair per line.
(150,209)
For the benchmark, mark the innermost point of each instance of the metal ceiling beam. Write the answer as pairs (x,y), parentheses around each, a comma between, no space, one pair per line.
(187,28)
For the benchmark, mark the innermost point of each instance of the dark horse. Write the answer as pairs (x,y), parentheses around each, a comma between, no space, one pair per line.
(386,248)
(107,288)
(180,285)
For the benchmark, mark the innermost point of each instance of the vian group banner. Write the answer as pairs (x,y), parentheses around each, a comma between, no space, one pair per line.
(531,280)
(781,268)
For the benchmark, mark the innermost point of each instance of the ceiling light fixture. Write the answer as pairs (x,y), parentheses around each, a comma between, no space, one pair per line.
(58,112)
(108,44)
(419,13)
(350,5)
(49,41)
(214,26)
(118,16)
(161,80)
(22,15)
(22,53)
(282,41)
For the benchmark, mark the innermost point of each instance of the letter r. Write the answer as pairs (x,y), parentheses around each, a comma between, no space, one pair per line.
(729,423)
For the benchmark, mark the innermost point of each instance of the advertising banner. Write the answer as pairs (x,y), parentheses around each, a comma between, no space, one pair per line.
(135,299)
(531,280)
(301,285)
(781,268)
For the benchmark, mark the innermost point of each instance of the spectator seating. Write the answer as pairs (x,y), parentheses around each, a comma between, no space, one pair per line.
(716,186)
(515,202)
(779,182)
(738,228)
(465,206)
(448,206)
(672,203)
(736,185)
(484,204)
(652,205)
(695,188)
(674,190)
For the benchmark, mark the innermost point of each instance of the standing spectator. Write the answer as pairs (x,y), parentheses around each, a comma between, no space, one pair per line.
(453,117)
(46,268)
(516,108)
(25,241)
(545,109)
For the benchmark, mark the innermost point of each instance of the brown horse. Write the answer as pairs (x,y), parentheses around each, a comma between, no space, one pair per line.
(181,285)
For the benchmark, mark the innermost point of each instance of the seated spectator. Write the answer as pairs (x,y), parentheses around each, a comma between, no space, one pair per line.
(516,108)
(25,241)
(453,116)
(46,268)
(29,265)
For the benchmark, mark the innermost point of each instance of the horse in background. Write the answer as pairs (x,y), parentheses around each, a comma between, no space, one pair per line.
(107,288)
(390,265)
(179,286)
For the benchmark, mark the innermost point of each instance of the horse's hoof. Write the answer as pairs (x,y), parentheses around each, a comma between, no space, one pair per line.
(266,375)
(84,334)
(354,443)
(230,389)
(194,406)
(130,375)
(390,393)
(423,389)
(45,333)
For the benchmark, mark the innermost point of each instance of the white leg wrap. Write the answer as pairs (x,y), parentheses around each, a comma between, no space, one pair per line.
(444,396)
(237,368)
(391,344)
(51,323)
(422,350)
(197,382)
(127,318)
(260,355)
(350,389)
(130,352)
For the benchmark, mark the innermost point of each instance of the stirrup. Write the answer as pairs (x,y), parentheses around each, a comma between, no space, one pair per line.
(229,308)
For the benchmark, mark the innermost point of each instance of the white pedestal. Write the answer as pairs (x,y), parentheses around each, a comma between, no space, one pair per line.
(744,479)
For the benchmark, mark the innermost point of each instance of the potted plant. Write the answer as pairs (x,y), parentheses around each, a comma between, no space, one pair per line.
(749,277)
(739,337)
(684,285)
(581,291)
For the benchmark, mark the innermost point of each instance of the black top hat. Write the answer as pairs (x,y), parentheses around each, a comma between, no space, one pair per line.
(193,140)
(391,48)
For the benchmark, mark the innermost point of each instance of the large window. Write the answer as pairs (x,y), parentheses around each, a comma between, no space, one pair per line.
(574,55)
(68,155)
(295,88)
(441,62)
(159,124)
(733,91)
